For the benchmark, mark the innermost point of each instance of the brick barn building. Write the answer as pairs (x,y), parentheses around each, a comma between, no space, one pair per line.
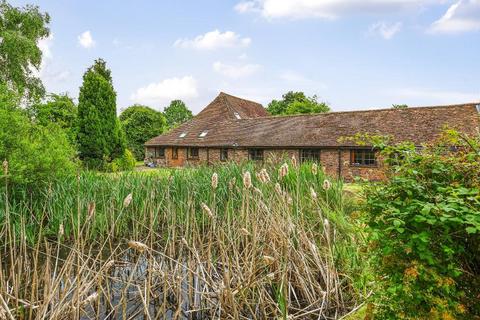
(234,129)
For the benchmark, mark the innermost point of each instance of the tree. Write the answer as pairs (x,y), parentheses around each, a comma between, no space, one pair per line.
(296,103)
(100,138)
(20,56)
(36,154)
(399,106)
(177,113)
(59,109)
(141,123)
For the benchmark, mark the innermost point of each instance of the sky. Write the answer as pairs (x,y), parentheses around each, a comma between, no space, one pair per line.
(352,54)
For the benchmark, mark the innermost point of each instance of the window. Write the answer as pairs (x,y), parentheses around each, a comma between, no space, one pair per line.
(182,135)
(237,115)
(362,157)
(310,155)
(174,153)
(223,154)
(159,152)
(255,154)
(193,153)
(203,134)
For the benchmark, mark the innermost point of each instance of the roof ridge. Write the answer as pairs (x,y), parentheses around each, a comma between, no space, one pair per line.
(232,96)
(369,110)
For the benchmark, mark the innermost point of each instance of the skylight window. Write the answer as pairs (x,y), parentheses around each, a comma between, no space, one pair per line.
(182,135)
(237,115)
(203,134)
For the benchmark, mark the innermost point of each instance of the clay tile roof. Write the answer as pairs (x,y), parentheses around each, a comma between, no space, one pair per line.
(416,124)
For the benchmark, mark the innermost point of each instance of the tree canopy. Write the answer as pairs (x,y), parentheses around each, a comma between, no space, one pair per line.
(20,55)
(100,137)
(297,103)
(399,106)
(59,109)
(177,113)
(140,124)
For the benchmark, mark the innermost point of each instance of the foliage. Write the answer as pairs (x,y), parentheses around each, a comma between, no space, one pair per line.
(36,154)
(141,123)
(177,113)
(297,103)
(425,230)
(124,163)
(399,106)
(58,109)
(20,55)
(100,138)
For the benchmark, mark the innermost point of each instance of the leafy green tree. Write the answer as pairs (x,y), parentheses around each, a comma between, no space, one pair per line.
(100,138)
(399,106)
(297,103)
(20,31)
(59,109)
(141,123)
(177,113)
(36,154)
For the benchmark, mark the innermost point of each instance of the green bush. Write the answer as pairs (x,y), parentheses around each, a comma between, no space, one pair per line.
(425,231)
(125,163)
(36,154)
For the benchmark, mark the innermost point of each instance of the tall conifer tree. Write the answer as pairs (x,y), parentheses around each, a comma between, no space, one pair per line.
(99,136)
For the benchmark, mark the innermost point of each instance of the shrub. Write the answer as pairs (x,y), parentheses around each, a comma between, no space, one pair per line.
(425,230)
(36,154)
(125,163)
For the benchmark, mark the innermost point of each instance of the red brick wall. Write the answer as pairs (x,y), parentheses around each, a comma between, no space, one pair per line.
(330,159)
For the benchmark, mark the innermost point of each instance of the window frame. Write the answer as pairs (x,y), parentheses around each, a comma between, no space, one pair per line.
(255,154)
(193,157)
(313,155)
(224,154)
(174,153)
(355,153)
(157,154)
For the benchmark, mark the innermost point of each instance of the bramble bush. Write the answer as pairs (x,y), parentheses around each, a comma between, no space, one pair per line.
(424,228)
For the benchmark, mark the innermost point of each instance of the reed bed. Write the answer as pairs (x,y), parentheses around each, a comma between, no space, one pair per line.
(230,242)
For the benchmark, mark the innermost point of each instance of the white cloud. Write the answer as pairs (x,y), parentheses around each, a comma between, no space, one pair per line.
(167,90)
(48,70)
(326,9)
(301,82)
(462,16)
(214,40)
(86,40)
(385,30)
(235,71)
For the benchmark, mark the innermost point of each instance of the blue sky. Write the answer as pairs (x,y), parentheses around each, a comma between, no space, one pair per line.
(354,54)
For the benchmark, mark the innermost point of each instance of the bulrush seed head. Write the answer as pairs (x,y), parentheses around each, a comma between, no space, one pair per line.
(314,169)
(5,167)
(214,181)
(61,231)
(140,247)
(247,180)
(127,200)
(244,232)
(263,176)
(313,194)
(278,189)
(207,210)
(326,185)
(294,161)
(91,209)
(283,171)
(268,259)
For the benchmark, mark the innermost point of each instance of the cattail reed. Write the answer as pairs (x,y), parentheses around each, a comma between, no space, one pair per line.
(5,167)
(207,210)
(140,247)
(214,181)
(247,180)
(314,169)
(313,194)
(263,176)
(283,170)
(294,161)
(127,200)
(326,185)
